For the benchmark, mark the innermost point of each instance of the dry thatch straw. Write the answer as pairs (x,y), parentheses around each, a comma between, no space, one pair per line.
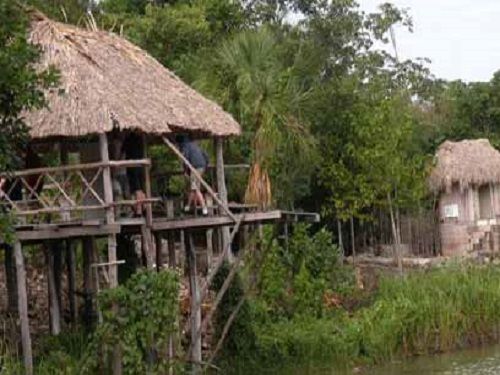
(466,163)
(259,187)
(108,82)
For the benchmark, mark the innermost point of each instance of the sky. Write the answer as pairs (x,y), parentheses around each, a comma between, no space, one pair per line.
(461,37)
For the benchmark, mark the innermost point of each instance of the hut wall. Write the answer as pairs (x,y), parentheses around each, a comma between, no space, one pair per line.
(454,228)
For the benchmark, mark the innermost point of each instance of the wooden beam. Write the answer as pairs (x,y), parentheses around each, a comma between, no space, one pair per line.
(23,308)
(71,232)
(197,175)
(215,221)
(78,167)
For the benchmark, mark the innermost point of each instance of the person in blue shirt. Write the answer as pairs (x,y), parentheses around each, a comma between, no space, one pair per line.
(198,159)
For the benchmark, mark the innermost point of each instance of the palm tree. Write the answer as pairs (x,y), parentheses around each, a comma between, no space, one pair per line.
(260,91)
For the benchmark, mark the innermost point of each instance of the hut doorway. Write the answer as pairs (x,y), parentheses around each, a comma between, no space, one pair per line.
(485,207)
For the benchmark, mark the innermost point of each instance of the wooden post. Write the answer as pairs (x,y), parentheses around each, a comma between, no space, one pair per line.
(54,307)
(222,190)
(195,304)
(159,248)
(110,218)
(210,236)
(71,264)
(10,275)
(172,262)
(23,308)
(88,244)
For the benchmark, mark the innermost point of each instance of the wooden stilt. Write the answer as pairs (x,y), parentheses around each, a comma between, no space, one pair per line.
(182,253)
(210,236)
(88,245)
(56,249)
(54,307)
(10,275)
(23,308)
(222,190)
(71,269)
(146,246)
(172,261)
(159,248)
(195,304)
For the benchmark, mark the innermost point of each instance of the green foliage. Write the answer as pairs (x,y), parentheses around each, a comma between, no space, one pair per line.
(138,317)
(20,84)
(295,280)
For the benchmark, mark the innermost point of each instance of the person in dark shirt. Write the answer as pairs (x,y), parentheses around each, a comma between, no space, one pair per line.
(198,159)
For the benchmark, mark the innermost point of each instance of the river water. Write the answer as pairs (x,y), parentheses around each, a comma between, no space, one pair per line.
(482,361)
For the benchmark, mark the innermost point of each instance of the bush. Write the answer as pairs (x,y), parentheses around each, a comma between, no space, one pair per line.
(138,316)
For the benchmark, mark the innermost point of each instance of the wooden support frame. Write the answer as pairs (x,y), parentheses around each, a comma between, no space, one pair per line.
(22,295)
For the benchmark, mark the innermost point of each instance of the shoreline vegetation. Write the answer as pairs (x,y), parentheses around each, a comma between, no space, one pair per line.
(303,313)
(437,311)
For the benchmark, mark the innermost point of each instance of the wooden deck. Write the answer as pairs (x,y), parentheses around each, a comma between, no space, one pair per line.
(98,228)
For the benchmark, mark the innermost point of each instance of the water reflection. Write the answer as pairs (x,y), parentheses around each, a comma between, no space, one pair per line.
(484,361)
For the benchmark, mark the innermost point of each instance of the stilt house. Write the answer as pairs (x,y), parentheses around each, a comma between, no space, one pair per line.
(466,180)
(109,86)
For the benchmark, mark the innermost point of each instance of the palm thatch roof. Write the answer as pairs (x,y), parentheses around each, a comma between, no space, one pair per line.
(108,82)
(470,162)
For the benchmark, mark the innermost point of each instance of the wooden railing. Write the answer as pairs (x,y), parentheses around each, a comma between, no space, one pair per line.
(67,191)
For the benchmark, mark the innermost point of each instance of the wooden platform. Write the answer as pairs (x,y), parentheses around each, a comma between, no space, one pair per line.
(97,228)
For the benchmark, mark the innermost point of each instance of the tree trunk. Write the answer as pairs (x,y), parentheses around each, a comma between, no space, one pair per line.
(341,243)
(397,240)
(353,245)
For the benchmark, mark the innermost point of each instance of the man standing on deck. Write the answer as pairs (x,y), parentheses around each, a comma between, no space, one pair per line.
(198,159)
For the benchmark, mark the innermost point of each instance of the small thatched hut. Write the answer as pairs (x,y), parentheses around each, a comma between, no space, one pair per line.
(466,177)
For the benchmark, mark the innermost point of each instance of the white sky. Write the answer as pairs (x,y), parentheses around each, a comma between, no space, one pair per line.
(461,37)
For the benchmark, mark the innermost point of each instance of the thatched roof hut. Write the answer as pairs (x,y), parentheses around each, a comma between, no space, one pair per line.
(469,162)
(108,82)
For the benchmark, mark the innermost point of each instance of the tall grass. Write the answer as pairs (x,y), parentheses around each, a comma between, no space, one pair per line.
(426,312)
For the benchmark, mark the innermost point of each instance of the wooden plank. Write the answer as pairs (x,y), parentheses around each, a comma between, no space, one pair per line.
(61,233)
(206,222)
(23,308)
